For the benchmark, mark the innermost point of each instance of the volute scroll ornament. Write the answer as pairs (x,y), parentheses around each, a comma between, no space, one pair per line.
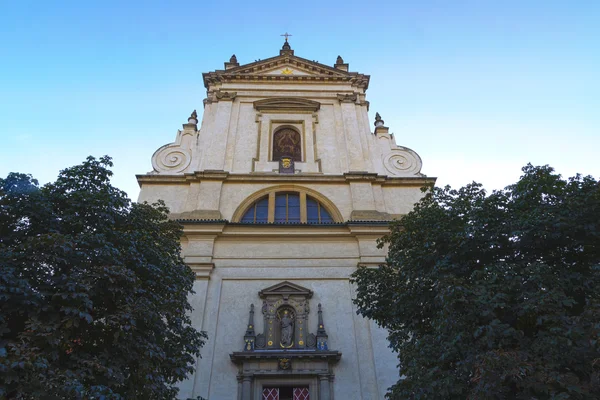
(174,158)
(402,161)
(171,158)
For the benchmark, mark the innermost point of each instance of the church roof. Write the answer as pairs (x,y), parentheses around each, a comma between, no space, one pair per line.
(285,67)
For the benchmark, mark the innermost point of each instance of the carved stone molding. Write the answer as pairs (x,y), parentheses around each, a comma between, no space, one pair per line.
(225,96)
(201,270)
(347,98)
(287,104)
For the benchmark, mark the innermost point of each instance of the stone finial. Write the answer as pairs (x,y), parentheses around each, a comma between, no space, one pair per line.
(286,49)
(321,332)
(250,330)
(340,64)
(321,328)
(233,62)
(193,119)
(378,121)
(250,336)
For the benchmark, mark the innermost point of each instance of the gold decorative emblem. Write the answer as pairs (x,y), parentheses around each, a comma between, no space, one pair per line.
(301,343)
(284,363)
(270,343)
(287,71)
(286,162)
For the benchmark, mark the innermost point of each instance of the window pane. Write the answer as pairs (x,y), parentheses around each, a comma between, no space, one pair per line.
(325,217)
(294,214)
(293,211)
(293,200)
(280,200)
(312,211)
(249,216)
(280,208)
(270,393)
(262,210)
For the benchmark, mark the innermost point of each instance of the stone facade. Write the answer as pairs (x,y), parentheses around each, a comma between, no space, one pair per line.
(242,237)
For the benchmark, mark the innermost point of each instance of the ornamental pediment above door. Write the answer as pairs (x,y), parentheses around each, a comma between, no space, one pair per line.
(286,104)
(286,288)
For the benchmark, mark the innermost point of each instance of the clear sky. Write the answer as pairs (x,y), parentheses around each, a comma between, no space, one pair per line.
(478,88)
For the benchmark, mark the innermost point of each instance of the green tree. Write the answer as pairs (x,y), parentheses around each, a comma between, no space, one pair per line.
(93,291)
(493,297)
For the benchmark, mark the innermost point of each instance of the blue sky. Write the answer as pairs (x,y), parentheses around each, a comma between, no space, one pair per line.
(477,88)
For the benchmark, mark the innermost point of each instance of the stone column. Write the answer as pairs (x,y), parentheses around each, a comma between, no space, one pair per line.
(324,388)
(247,387)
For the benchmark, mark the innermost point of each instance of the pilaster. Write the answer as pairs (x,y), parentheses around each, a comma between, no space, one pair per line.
(356,156)
(214,157)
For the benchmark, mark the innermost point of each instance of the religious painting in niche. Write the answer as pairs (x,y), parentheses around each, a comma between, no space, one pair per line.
(286,142)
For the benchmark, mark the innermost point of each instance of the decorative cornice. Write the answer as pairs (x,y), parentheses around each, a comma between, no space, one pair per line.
(347,98)
(201,270)
(360,176)
(225,96)
(239,357)
(273,177)
(287,104)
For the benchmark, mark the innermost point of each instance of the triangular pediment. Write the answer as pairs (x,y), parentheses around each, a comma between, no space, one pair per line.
(297,65)
(285,67)
(285,288)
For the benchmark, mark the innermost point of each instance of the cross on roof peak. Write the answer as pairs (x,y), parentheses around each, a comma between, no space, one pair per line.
(286,36)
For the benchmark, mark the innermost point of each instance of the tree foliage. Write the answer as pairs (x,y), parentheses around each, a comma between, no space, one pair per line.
(494,297)
(93,291)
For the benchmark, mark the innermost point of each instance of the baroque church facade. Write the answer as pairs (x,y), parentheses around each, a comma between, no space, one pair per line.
(283,190)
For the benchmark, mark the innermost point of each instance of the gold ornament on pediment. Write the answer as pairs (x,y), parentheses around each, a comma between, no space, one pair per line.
(287,71)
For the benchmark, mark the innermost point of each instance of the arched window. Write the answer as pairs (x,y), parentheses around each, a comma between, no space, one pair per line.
(287,142)
(287,207)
